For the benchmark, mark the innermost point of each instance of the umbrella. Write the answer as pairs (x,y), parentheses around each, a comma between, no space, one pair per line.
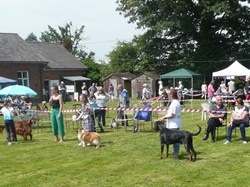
(17,90)
(4,80)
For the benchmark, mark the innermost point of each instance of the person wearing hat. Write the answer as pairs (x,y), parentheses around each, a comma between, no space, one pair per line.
(145,92)
(62,91)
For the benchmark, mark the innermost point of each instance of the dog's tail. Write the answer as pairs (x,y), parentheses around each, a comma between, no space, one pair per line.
(195,134)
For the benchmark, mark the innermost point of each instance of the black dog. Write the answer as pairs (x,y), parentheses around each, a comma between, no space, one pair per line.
(168,136)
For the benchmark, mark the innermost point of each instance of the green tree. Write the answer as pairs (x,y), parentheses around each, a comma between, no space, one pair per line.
(125,58)
(94,69)
(68,36)
(200,35)
(31,38)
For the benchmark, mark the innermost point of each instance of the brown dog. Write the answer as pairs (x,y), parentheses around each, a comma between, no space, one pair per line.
(24,128)
(1,128)
(88,138)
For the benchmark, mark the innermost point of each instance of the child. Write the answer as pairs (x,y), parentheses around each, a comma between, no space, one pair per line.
(8,114)
(87,121)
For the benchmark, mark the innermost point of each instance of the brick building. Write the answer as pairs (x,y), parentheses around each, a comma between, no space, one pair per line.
(37,65)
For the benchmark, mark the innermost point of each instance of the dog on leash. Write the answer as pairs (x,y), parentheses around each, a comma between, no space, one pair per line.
(88,138)
(168,136)
(24,128)
(114,123)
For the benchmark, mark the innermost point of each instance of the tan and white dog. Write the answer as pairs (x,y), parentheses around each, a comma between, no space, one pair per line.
(87,138)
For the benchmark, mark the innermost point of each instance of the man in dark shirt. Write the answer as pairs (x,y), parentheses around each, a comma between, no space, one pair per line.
(217,115)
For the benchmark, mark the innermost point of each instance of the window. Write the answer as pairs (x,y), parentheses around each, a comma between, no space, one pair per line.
(23,78)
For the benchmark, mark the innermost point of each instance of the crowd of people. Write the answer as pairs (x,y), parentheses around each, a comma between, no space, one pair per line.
(94,98)
(91,99)
(218,115)
(223,90)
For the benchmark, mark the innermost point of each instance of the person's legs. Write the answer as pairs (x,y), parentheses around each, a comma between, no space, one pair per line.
(92,116)
(209,99)
(103,115)
(176,146)
(54,124)
(7,129)
(216,124)
(229,132)
(243,131)
(60,124)
(99,117)
(213,133)
(210,128)
(65,97)
(13,129)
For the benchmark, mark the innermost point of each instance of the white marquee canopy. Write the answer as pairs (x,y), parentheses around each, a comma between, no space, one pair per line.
(234,70)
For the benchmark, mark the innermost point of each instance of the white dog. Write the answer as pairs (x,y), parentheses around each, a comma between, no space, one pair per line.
(114,123)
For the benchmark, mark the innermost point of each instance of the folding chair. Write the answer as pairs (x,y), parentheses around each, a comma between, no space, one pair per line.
(205,110)
(223,125)
(144,116)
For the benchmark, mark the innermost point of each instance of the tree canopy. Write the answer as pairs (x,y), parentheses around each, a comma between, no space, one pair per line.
(68,36)
(200,35)
(31,37)
(71,38)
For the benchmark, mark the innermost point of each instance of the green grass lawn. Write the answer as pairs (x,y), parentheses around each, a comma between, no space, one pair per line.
(125,159)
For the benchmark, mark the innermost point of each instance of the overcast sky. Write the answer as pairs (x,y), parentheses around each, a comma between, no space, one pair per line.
(103,25)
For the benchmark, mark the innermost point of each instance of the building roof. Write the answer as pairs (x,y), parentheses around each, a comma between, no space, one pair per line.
(14,49)
(57,56)
(76,78)
(153,75)
(124,76)
(180,73)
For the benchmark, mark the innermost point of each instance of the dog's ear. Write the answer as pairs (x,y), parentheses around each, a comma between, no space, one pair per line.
(79,129)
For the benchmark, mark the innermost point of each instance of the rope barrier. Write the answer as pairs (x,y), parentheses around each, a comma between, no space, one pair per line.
(224,100)
(132,109)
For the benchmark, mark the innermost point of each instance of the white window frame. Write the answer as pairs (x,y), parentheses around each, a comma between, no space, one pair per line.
(23,79)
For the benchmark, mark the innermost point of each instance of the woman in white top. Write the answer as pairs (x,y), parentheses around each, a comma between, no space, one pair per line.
(173,117)
(239,118)
(101,100)
(8,114)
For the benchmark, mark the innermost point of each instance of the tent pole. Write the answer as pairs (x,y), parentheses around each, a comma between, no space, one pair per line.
(192,86)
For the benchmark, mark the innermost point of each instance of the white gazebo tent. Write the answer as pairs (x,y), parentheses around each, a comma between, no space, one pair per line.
(234,70)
